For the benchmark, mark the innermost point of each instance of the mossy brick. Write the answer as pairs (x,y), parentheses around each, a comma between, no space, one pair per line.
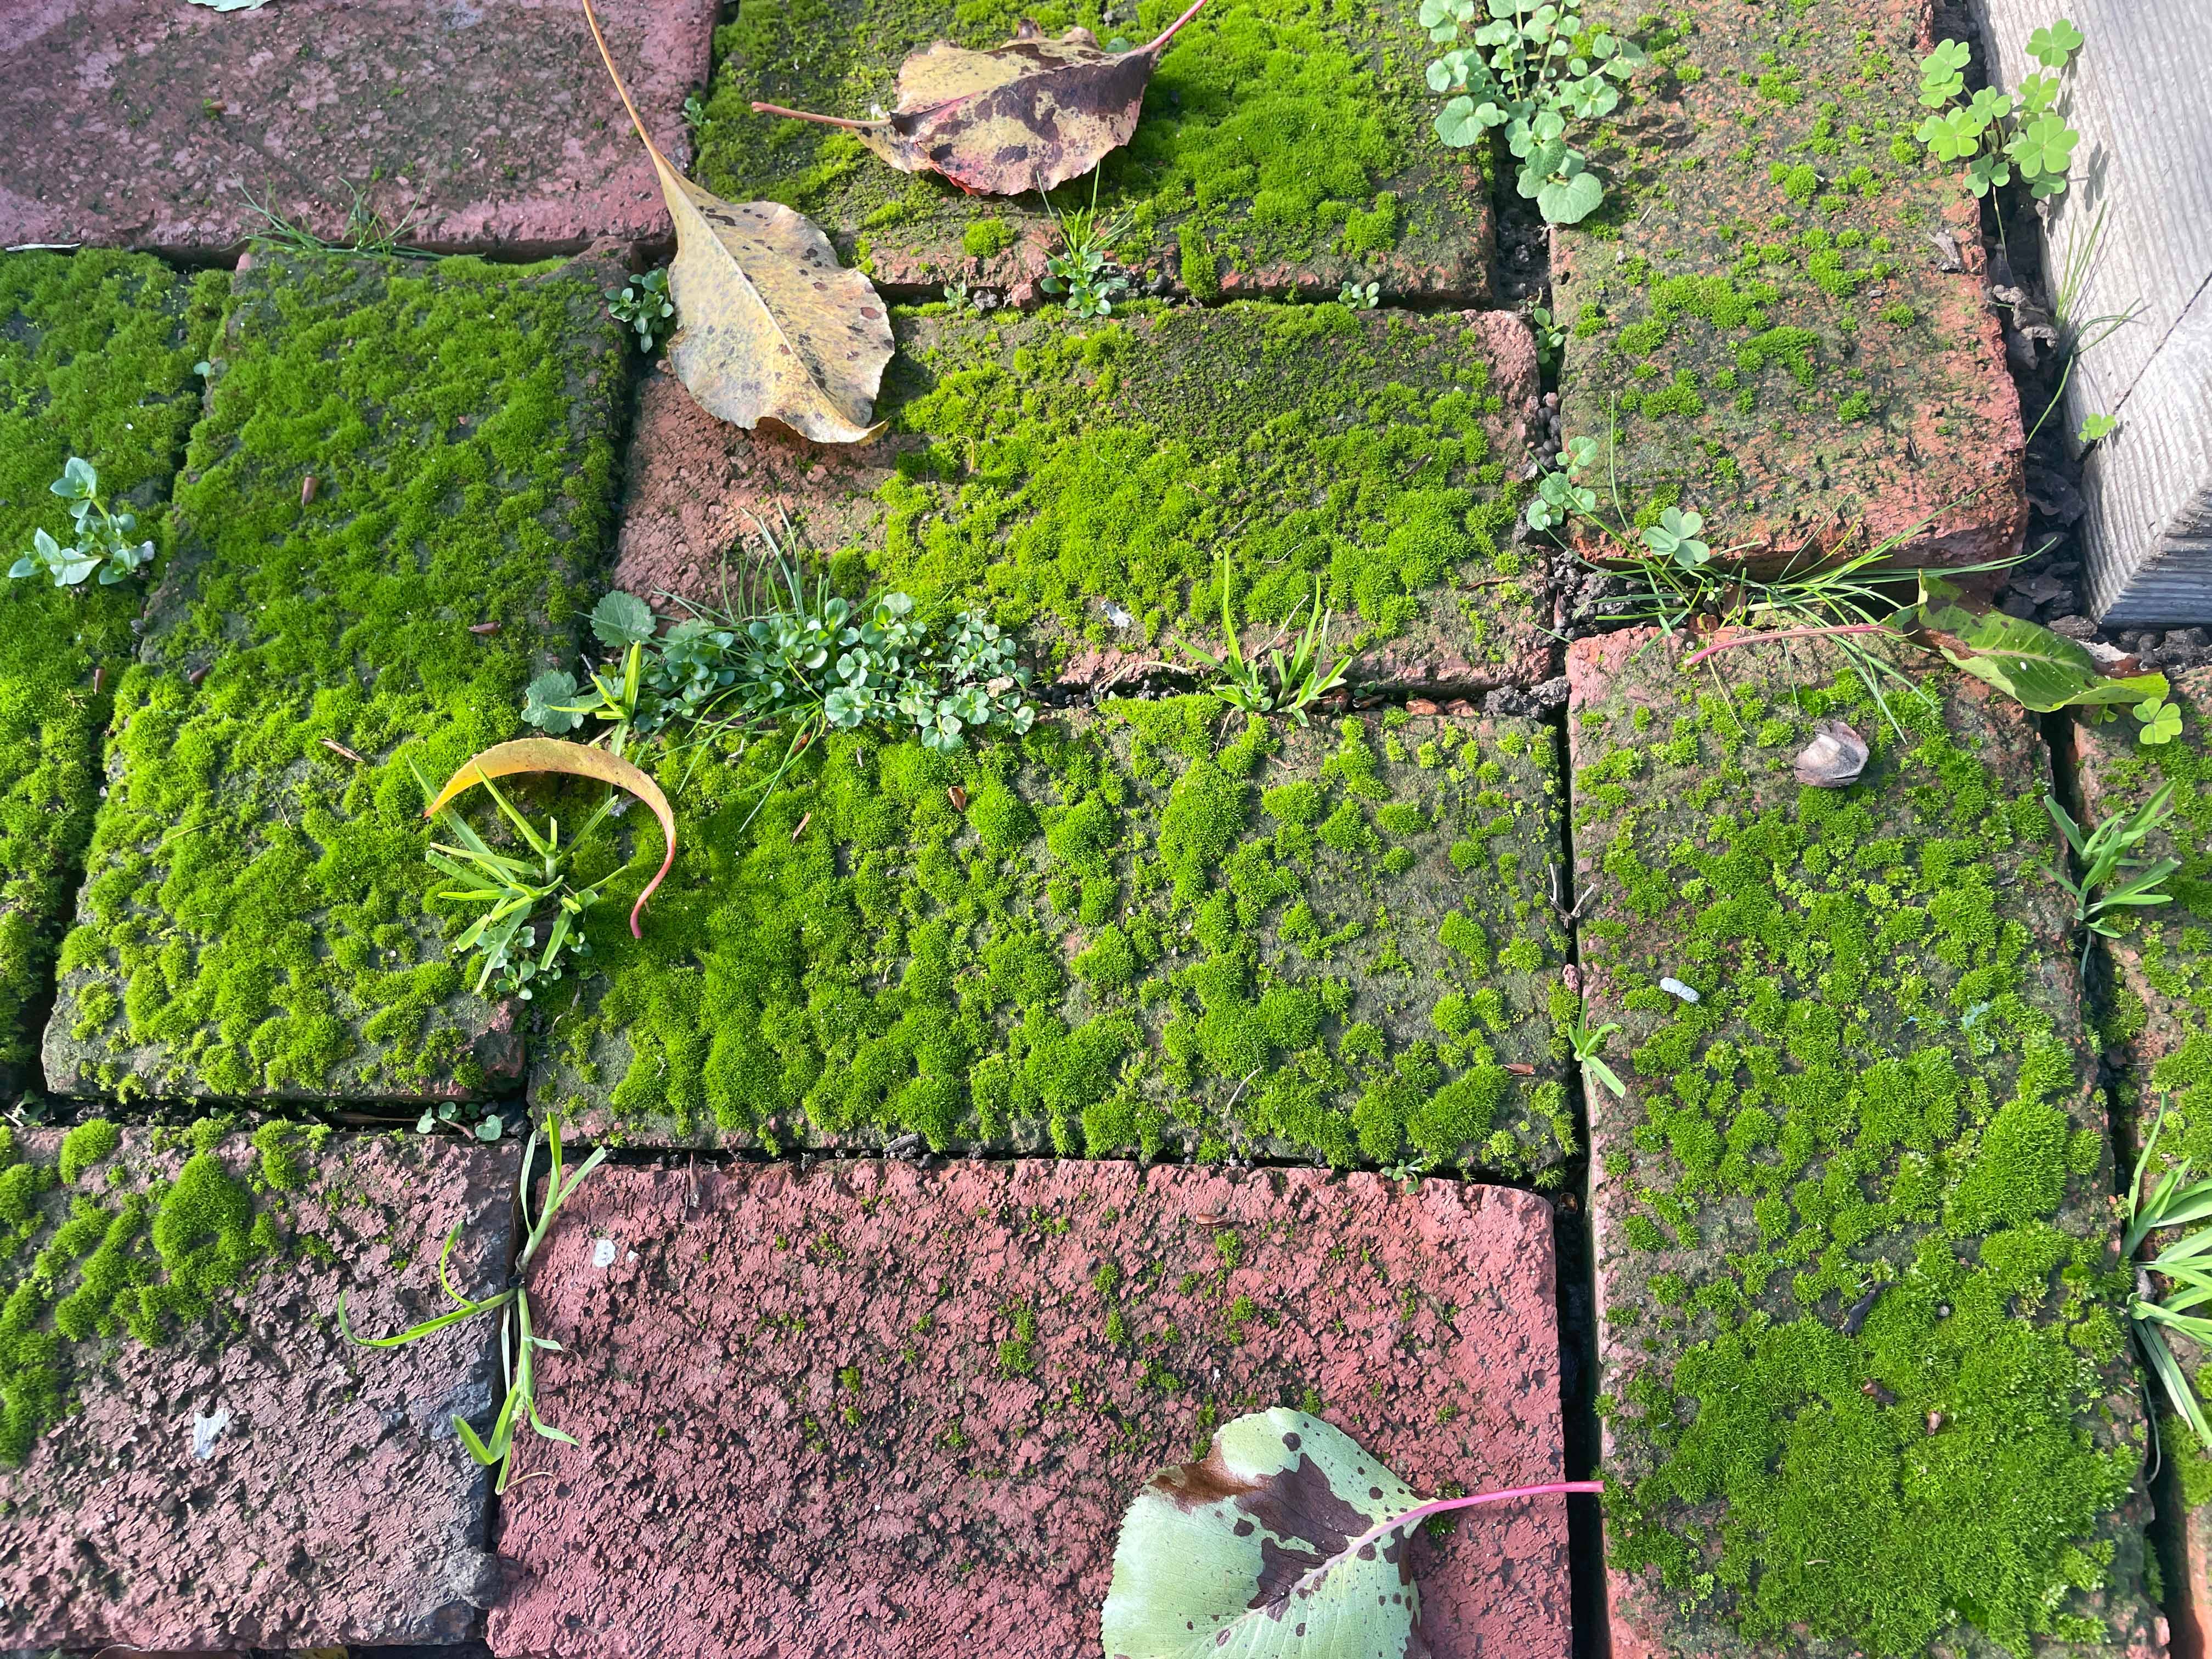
(2158,1021)
(871,1409)
(96,356)
(1158,928)
(1285,147)
(489,126)
(1760,316)
(1865,1381)
(252,920)
(196,1459)
(1083,483)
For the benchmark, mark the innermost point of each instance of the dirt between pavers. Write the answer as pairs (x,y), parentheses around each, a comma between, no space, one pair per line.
(874,1410)
(256,1480)
(477,127)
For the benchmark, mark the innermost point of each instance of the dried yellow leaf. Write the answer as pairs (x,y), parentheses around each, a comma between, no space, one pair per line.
(768,325)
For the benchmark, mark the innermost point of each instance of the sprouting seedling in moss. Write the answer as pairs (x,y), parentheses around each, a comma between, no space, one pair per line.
(1997,134)
(1271,686)
(2111,881)
(514,893)
(1360,296)
(1079,269)
(1534,69)
(2185,1265)
(1590,1053)
(518,1342)
(103,539)
(642,305)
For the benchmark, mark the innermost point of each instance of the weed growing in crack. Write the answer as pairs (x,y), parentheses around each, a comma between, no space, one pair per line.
(642,305)
(1078,269)
(1273,685)
(513,892)
(518,1342)
(1590,1054)
(1997,134)
(2103,852)
(2185,1265)
(366,230)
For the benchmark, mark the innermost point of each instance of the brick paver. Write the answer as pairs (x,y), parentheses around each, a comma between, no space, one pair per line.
(197,1459)
(481,125)
(1864,1387)
(1779,314)
(386,525)
(870,1408)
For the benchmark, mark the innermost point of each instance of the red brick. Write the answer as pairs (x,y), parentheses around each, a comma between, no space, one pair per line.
(734,1497)
(491,122)
(335,1504)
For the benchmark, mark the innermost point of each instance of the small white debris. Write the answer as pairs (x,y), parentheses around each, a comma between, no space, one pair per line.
(603,1252)
(205,1430)
(1674,987)
(632,1256)
(1115,615)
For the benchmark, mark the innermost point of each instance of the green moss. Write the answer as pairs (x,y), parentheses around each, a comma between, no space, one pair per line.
(891,971)
(1271,129)
(168,1253)
(986,238)
(1058,471)
(255,897)
(1859,1177)
(89,1143)
(96,354)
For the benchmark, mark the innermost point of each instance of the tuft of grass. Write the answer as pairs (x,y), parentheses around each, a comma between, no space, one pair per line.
(2104,861)
(1271,685)
(518,1342)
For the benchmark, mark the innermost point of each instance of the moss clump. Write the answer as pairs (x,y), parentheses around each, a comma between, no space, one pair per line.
(96,356)
(1058,472)
(85,1145)
(1277,130)
(254,917)
(146,1256)
(1855,1187)
(1176,955)
(987,238)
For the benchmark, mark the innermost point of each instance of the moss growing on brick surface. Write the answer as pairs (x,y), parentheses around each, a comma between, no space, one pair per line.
(1085,483)
(96,356)
(151,1245)
(253,920)
(1867,1384)
(1781,321)
(1293,135)
(1160,928)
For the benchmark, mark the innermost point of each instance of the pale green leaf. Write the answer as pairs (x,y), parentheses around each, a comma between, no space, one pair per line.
(1257,1552)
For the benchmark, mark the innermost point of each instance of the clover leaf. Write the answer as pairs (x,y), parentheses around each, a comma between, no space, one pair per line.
(2161,722)
(1942,73)
(1675,537)
(2052,45)
(2094,427)
(2044,148)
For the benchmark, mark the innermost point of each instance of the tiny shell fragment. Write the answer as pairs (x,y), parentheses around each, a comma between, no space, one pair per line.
(1835,758)
(1674,987)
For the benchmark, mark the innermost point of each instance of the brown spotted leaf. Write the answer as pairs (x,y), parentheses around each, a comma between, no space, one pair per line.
(767,326)
(1285,1541)
(1027,115)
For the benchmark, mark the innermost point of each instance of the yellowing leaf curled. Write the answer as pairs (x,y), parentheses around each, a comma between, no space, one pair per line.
(767,326)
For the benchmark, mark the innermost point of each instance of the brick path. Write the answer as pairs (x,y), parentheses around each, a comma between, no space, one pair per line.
(907,1059)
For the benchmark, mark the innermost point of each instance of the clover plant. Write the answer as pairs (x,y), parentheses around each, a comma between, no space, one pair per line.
(1999,134)
(102,539)
(642,304)
(1526,68)
(818,660)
